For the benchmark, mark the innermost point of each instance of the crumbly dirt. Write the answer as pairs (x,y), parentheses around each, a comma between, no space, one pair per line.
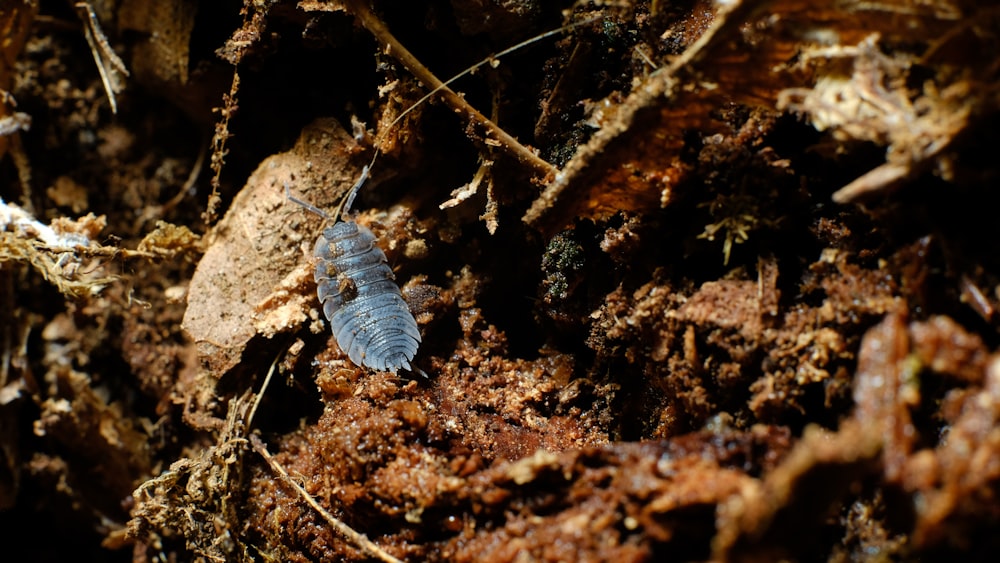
(694,281)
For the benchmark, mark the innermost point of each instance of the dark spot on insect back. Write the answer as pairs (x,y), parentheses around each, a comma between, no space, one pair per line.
(348,287)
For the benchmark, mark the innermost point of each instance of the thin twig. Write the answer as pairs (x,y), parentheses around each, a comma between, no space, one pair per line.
(157,211)
(109,64)
(260,394)
(490,60)
(394,48)
(192,178)
(358,538)
(219,151)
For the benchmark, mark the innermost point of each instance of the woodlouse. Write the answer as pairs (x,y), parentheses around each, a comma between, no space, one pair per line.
(369,318)
(356,287)
(360,298)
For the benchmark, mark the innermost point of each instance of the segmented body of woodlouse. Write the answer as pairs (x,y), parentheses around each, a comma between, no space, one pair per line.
(360,298)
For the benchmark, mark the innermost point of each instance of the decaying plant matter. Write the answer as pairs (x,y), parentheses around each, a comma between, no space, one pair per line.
(697,281)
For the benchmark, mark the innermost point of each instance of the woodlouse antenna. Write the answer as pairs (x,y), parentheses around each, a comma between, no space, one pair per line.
(345,202)
(348,200)
(305,204)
